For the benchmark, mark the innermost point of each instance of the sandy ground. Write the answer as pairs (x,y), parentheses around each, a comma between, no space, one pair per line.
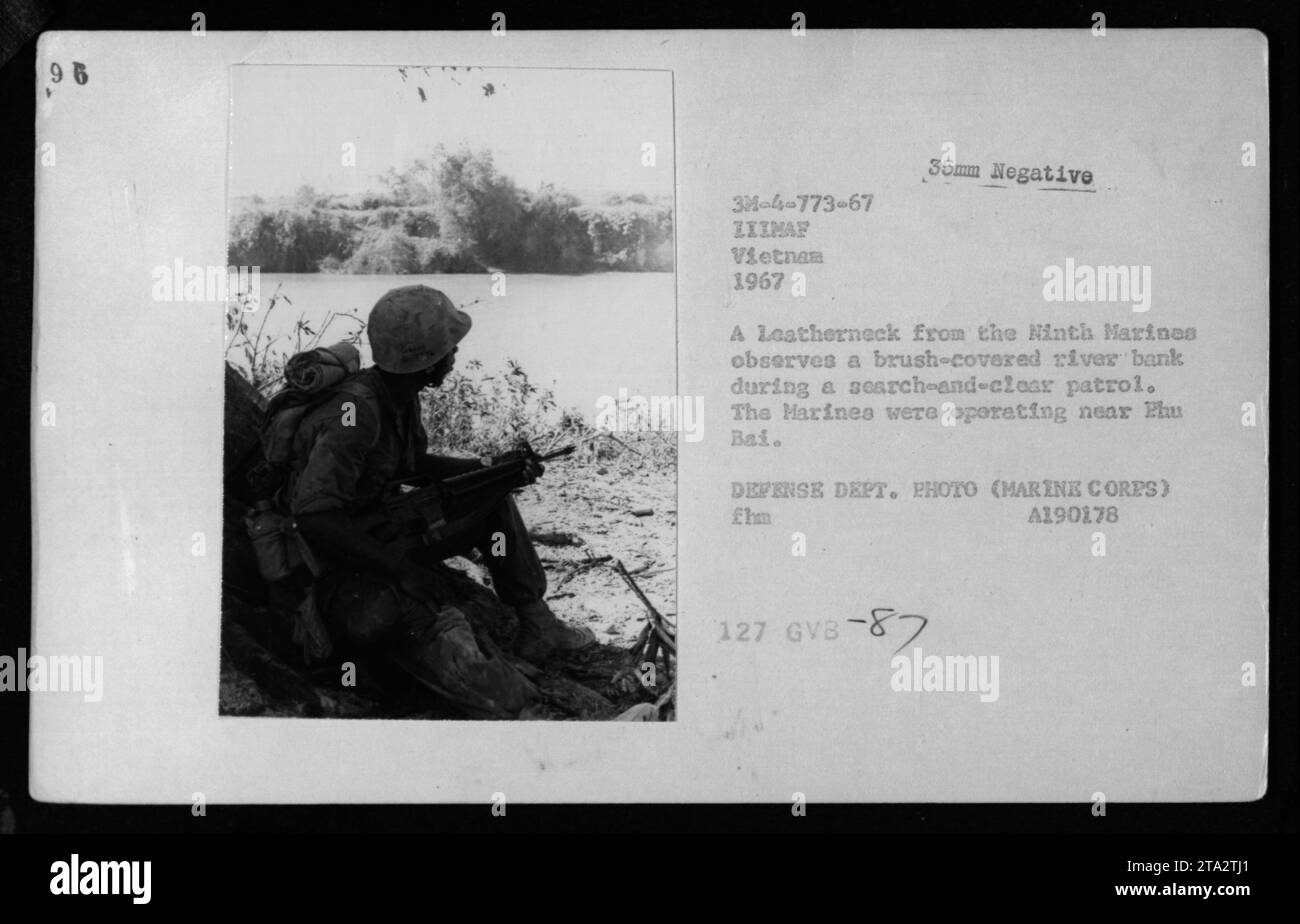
(593,504)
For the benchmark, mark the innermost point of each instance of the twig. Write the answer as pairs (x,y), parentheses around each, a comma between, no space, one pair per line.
(623,573)
(670,693)
(656,620)
(557,538)
(330,319)
(579,568)
(651,651)
(256,340)
(665,638)
(640,642)
(621,443)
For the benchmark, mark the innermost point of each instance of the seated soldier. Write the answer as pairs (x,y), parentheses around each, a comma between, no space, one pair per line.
(346,455)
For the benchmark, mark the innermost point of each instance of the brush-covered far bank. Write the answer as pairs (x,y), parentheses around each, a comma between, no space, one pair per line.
(452,213)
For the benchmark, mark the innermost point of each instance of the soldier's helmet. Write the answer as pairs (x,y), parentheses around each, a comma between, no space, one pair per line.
(413,327)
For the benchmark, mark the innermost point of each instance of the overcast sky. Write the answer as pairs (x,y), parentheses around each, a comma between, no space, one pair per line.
(579,129)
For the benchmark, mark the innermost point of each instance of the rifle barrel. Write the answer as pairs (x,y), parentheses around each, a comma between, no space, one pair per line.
(472,481)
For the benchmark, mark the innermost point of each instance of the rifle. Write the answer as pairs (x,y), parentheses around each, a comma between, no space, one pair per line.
(442,508)
(507,471)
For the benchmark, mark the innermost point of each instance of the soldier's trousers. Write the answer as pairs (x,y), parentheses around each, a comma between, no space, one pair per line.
(499,533)
(368,607)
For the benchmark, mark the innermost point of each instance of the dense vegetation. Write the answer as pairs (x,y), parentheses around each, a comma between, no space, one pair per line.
(454,213)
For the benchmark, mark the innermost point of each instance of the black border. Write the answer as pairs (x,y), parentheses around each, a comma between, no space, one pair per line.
(1275,813)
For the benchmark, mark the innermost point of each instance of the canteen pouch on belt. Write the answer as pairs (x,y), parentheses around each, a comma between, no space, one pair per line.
(278,545)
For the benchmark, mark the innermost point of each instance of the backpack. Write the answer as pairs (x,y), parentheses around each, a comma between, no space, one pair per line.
(284,559)
(311,378)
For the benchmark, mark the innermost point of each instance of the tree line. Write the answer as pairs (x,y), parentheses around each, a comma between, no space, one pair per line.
(453,213)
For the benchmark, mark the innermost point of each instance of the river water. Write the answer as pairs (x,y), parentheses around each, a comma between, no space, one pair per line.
(581,336)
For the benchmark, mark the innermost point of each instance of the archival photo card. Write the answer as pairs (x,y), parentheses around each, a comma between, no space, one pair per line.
(404,402)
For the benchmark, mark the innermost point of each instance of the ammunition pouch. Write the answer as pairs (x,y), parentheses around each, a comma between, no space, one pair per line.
(283,556)
(279,547)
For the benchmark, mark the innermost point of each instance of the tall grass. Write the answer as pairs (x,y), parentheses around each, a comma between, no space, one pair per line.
(260,357)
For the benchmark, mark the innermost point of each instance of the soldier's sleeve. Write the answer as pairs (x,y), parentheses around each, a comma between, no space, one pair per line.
(343,438)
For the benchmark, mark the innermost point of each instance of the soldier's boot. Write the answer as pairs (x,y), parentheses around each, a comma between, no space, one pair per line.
(541,633)
(440,650)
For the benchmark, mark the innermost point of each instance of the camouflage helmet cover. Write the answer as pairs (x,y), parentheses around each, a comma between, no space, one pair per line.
(413,327)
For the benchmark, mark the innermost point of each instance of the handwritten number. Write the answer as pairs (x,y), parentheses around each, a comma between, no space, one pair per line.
(79,74)
(924,622)
(878,623)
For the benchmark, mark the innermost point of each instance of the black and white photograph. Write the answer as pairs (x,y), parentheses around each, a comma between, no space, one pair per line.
(450,461)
